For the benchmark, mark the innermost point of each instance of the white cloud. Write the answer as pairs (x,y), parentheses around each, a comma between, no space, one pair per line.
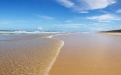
(99,4)
(104,18)
(97,29)
(40,28)
(66,3)
(118,11)
(71,25)
(82,5)
(104,11)
(97,24)
(46,17)
(83,12)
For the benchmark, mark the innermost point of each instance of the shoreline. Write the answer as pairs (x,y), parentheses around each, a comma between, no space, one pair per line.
(54,60)
(72,53)
(42,48)
(79,56)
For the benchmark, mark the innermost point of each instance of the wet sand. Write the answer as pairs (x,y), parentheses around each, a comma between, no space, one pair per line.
(88,54)
(28,55)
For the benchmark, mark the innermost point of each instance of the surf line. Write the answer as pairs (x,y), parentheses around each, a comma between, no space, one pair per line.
(57,53)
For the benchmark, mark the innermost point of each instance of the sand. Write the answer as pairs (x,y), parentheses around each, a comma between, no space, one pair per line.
(82,54)
(28,55)
(111,33)
(88,54)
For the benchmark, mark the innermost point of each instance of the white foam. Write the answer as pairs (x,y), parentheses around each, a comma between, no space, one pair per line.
(22,31)
(51,64)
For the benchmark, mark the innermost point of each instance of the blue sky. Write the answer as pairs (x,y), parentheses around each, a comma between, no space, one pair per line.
(60,15)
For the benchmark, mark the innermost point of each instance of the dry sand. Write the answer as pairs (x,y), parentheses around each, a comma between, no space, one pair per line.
(88,54)
(110,33)
(28,56)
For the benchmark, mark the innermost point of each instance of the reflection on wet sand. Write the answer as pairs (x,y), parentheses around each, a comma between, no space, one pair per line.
(31,56)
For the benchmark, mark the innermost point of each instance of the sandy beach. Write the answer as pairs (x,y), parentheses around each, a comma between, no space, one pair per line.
(88,54)
(60,37)
(111,33)
(65,54)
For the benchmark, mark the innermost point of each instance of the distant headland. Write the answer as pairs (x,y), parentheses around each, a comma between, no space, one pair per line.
(111,31)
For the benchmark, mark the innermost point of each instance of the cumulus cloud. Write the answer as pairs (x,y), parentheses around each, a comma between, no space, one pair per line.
(82,5)
(104,18)
(40,28)
(99,4)
(118,11)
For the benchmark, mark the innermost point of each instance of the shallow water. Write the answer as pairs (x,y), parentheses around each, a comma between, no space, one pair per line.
(27,54)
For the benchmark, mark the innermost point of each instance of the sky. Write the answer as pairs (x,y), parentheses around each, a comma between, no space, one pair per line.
(60,15)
